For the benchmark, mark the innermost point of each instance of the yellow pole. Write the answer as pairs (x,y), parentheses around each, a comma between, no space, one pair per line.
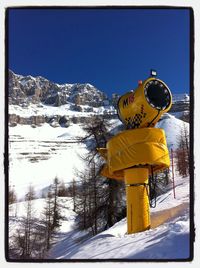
(138,215)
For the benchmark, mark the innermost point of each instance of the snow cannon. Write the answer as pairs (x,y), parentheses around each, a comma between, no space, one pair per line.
(139,151)
(144,106)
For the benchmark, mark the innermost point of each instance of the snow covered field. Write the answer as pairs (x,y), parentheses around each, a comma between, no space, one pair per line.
(64,110)
(38,155)
(169,237)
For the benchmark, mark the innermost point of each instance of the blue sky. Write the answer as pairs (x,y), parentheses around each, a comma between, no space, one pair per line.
(109,48)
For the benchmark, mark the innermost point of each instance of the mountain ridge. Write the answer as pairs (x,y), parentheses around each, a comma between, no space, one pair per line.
(32,86)
(24,90)
(36,100)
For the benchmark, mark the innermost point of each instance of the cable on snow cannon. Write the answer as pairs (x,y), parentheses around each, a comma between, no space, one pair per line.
(141,150)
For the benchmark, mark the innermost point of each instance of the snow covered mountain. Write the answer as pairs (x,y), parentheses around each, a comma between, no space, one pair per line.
(36,100)
(24,90)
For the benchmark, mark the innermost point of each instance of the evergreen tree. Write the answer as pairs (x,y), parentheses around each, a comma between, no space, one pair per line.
(12,196)
(63,191)
(72,193)
(48,220)
(99,200)
(34,236)
(52,214)
(182,153)
(56,208)
(24,239)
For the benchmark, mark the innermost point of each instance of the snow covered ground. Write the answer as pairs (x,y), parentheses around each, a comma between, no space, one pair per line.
(18,210)
(173,128)
(64,110)
(38,155)
(170,240)
(169,237)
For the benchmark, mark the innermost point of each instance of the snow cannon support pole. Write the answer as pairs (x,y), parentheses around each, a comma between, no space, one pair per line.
(138,214)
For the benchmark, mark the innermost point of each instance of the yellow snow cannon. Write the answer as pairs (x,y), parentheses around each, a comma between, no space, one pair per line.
(144,106)
(135,153)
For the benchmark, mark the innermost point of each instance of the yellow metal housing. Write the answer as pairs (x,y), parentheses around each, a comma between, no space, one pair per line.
(144,106)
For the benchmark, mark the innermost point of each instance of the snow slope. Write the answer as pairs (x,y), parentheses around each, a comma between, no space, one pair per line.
(64,110)
(169,237)
(173,128)
(38,155)
(17,210)
(170,240)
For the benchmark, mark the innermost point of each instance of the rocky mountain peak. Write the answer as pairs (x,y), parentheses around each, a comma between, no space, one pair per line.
(80,97)
(29,89)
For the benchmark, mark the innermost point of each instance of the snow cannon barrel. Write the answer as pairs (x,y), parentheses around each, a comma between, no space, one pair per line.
(144,106)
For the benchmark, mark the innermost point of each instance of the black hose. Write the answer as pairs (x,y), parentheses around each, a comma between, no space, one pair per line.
(152,190)
(149,124)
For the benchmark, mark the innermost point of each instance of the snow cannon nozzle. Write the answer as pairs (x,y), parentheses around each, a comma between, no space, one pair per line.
(144,106)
